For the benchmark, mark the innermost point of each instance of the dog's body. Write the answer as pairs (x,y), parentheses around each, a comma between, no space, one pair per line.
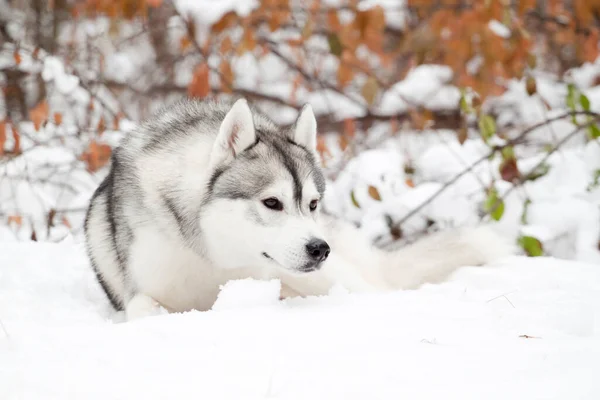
(208,192)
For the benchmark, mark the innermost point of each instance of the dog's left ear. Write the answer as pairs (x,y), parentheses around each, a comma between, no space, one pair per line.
(304,131)
(235,135)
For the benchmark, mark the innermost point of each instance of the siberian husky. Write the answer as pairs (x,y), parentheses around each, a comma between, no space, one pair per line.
(207,192)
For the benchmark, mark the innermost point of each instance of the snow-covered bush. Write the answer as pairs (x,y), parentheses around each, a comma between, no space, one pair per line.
(431,113)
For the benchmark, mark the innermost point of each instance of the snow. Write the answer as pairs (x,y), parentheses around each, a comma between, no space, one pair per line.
(426,86)
(499,28)
(520,329)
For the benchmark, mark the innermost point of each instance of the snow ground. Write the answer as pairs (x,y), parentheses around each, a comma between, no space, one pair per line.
(461,339)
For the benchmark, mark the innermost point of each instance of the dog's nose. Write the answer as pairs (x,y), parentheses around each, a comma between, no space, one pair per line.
(318,249)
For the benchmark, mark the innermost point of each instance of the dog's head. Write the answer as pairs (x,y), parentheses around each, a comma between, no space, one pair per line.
(264,193)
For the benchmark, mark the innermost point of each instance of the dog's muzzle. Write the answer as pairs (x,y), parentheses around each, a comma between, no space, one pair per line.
(318,250)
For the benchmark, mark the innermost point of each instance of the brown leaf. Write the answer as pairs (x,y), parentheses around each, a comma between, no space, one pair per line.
(226,76)
(333,22)
(50,219)
(248,42)
(344,74)
(369,90)
(200,85)
(226,21)
(66,222)
(15,219)
(509,170)
(2,136)
(349,127)
(17,57)
(96,156)
(462,134)
(226,45)
(185,42)
(154,3)
(39,114)
(322,149)
(374,193)
(57,118)
(307,30)
(530,86)
(17,139)
(101,126)
(343,142)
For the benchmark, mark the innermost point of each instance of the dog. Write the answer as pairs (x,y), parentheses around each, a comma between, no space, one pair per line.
(205,192)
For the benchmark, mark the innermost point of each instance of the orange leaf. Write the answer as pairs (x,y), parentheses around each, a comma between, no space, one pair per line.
(17,138)
(57,118)
(225,22)
(154,3)
(322,149)
(101,126)
(374,193)
(248,42)
(332,20)
(96,156)
(2,136)
(16,219)
(349,127)
(39,114)
(66,223)
(226,76)
(17,57)
(343,142)
(410,183)
(344,74)
(200,85)
(226,45)
(184,42)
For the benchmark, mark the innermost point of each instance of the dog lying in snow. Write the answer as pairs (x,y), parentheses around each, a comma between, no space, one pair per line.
(207,192)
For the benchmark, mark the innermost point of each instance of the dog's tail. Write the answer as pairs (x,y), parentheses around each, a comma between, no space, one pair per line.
(433,258)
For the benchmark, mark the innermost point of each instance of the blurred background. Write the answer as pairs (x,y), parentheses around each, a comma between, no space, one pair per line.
(431,113)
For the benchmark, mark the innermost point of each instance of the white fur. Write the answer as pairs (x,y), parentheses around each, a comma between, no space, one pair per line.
(235,135)
(169,275)
(305,129)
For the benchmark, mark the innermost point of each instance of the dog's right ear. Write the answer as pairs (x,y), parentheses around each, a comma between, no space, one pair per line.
(236,134)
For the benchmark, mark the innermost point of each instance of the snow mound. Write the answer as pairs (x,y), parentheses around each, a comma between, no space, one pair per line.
(521,329)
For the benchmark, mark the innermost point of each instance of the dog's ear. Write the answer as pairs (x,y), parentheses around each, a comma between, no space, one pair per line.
(236,134)
(304,131)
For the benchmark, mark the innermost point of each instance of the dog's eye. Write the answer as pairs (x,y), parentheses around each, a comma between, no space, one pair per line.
(313,205)
(273,204)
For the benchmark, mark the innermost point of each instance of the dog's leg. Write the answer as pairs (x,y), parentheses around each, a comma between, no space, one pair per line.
(141,306)
(287,292)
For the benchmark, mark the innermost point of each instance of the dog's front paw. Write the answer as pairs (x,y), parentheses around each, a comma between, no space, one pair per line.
(141,306)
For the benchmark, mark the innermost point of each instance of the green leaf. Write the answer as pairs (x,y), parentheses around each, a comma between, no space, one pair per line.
(525,211)
(464,104)
(353,198)
(532,246)
(494,205)
(584,101)
(487,126)
(508,153)
(571,94)
(540,171)
(594,131)
(335,44)
(596,181)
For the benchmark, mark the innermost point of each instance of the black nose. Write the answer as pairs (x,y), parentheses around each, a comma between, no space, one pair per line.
(318,249)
